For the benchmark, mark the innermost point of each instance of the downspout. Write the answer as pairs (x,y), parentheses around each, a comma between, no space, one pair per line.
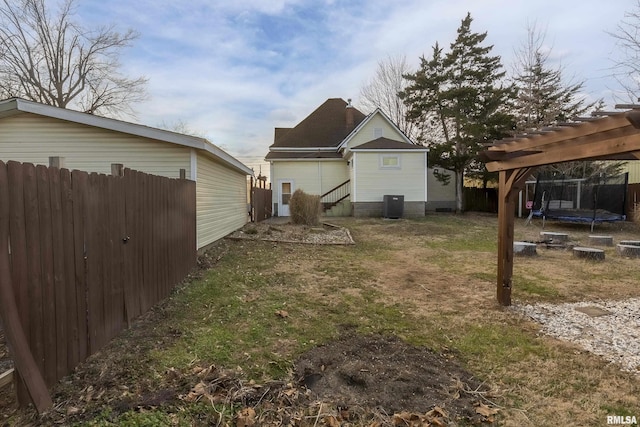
(194,177)
(426,181)
(355,174)
(193,166)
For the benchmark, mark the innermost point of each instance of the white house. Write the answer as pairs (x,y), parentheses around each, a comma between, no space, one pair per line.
(349,158)
(33,132)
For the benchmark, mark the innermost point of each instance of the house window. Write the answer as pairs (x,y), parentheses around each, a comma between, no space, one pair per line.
(377,133)
(388,161)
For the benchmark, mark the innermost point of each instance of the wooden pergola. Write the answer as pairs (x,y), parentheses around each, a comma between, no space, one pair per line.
(606,136)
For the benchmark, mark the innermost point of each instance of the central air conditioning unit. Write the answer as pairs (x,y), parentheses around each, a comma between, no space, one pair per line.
(392,206)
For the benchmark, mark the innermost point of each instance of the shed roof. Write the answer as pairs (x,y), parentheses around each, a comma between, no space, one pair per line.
(13,106)
(383,143)
(289,155)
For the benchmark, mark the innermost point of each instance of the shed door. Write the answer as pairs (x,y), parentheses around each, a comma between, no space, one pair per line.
(286,189)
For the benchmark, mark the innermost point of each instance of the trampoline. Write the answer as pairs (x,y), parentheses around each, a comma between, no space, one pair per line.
(591,201)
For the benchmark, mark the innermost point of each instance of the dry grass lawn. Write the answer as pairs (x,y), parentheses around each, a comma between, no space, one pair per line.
(429,282)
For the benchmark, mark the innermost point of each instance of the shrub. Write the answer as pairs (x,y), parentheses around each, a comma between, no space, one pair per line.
(305,208)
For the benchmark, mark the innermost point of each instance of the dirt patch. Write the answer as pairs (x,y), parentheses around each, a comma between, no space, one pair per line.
(385,373)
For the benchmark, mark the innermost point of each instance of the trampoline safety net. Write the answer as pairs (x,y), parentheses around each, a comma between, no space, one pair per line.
(595,200)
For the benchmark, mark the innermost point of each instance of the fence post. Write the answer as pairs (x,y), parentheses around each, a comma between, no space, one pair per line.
(183,174)
(117,169)
(56,162)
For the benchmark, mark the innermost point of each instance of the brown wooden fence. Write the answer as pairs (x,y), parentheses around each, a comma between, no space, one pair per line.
(87,253)
(633,200)
(480,199)
(260,200)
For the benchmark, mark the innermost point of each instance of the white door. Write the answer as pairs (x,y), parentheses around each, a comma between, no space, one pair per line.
(286,190)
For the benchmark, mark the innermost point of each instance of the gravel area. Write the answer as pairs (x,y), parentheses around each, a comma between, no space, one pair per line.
(610,329)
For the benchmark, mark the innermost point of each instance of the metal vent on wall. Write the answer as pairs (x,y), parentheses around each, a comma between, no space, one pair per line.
(392,206)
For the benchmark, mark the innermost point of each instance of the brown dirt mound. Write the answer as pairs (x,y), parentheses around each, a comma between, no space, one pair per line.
(387,374)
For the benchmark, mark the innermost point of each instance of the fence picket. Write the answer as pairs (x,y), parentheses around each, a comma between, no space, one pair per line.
(19,268)
(16,336)
(59,277)
(32,225)
(79,183)
(48,292)
(68,248)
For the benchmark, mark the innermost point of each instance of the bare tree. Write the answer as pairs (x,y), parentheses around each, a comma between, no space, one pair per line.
(626,62)
(382,92)
(49,58)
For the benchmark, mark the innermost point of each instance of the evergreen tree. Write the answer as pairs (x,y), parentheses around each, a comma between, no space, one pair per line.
(461,100)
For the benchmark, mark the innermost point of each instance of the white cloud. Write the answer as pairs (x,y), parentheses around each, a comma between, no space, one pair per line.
(234,70)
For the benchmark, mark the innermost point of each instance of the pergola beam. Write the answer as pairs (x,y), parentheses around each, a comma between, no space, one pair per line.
(611,143)
(585,129)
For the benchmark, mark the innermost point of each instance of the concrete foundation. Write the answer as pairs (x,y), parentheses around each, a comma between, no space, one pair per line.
(374,209)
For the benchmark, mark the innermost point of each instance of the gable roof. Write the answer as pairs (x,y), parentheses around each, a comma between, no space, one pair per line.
(13,106)
(369,118)
(325,127)
(383,143)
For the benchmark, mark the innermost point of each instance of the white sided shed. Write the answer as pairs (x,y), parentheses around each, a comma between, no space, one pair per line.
(33,132)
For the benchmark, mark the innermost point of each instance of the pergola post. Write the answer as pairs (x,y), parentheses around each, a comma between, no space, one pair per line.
(510,183)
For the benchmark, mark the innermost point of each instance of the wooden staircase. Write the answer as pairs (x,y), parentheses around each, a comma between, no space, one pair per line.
(334,196)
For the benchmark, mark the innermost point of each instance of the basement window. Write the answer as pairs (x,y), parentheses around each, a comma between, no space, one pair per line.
(388,161)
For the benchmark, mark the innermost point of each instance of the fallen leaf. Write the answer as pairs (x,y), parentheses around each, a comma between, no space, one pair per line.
(344,414)
(289,392)
(485,411)
(438,412)
(331,421)
(282,313)
(407,419)
(246,418)
(72,410)
(196,392)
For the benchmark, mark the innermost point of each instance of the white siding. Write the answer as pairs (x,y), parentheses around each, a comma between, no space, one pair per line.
(31,138)
(374,182)
(633,167)
(439,192)
(221,200)
(367,133)
(313,177)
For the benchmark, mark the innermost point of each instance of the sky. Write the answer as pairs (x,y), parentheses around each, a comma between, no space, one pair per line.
(233,70)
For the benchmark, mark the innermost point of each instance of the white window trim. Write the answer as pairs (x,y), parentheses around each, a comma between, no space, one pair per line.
(381,158)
